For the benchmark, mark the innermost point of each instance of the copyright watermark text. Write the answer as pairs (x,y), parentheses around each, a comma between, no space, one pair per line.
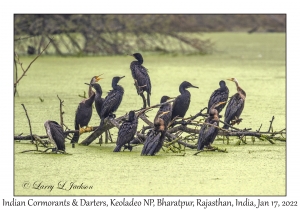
(61,185)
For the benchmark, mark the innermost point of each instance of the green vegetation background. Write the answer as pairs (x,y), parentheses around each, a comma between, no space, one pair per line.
(257,60)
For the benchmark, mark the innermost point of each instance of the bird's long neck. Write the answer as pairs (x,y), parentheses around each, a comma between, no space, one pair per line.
(140,61)
(98,90)
(90,92)
(223,87)
(118,87)
(131,118)
(240,90)
(115,85)
(182,90)
(90,100)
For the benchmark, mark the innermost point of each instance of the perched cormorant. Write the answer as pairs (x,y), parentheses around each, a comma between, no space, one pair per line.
(182,102)
(112,100)
(235,105)
(219,95)
(56,135)
(84,110)
(141,78)
(98,100)
(126,132)
(209,129)
(155,138)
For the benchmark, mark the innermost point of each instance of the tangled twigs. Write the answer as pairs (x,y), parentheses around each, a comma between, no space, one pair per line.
(39,140)
(198,114)
(115,123)
(17,59)
(174,140)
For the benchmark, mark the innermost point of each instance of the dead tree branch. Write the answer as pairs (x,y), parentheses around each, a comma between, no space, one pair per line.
(271,122)
(108,124)
(21,64)
(61,111)
(29,126)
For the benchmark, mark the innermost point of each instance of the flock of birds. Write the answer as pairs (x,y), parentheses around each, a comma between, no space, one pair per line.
(164,118)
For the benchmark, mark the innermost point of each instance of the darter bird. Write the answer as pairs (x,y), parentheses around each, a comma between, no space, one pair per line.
(209,129)
(84,111)
(93,80)
(56,135)
(235,106)
(155,138)
(163,115)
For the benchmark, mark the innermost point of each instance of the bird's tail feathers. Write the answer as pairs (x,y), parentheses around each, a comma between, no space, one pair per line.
(118,148)
(148,99)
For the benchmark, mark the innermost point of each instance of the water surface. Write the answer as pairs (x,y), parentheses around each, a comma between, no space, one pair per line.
(256,60)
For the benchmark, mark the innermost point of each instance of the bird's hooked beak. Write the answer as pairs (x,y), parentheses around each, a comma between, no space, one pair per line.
(194,86)
(122,77)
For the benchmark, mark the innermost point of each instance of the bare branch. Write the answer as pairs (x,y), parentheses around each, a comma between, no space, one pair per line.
(25,70)
(29,125)
(271,122)
(61,111)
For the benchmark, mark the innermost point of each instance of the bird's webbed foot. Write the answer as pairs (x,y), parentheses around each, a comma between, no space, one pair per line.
(209,147)
(54,150)
(85,129)
(236,121)
(184,123)
(129,147)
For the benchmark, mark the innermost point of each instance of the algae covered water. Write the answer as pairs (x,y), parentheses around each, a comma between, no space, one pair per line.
(259,168)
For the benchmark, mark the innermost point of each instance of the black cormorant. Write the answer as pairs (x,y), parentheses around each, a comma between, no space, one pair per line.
(56,135)
(98,97)
(112,100)
(219,95)
(209,129)
(235,105)
(126,132)
(182,102)
(141,78)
